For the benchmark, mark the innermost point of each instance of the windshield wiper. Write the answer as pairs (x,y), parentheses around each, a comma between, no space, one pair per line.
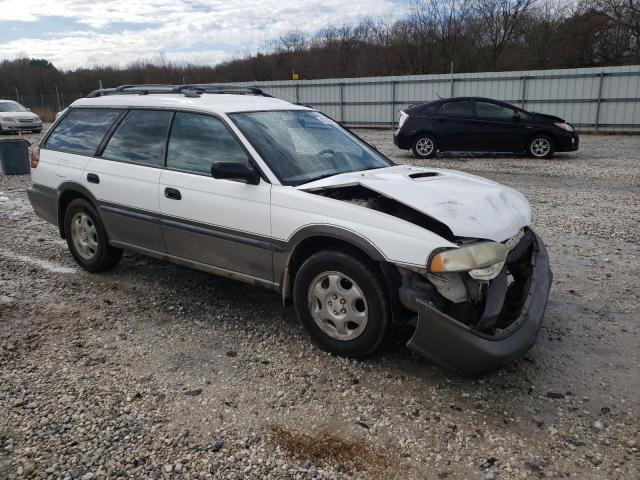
(320,177)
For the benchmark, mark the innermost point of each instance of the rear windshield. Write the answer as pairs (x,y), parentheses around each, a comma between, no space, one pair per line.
(82,130)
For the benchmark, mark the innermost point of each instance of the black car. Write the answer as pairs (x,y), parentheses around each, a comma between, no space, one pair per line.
(481,125)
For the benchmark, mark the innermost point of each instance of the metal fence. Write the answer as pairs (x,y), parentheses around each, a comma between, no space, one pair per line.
(47,101)
(590,98)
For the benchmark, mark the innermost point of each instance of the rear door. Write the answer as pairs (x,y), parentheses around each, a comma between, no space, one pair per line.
(220,223)
(71,144)
(499,129)
(125,176)
(454,125)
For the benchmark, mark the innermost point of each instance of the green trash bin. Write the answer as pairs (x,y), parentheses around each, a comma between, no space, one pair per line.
(14,156)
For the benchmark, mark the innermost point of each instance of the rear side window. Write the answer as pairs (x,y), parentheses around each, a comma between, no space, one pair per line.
(140,138)
(199,140)
(460,108)
(82,130)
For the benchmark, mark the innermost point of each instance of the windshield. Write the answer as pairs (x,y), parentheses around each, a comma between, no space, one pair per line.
(11,107)
(301,145)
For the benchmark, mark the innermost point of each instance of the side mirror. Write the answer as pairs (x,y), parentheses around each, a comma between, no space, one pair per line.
(516,117)
(235,171)
(28,109)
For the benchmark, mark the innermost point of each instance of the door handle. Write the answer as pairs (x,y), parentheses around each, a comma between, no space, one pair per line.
(172,193)
(93,178)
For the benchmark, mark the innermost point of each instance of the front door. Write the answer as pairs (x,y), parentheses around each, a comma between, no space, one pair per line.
(219,223)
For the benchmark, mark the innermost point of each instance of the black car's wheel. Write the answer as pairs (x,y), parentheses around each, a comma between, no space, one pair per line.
(341,301)
(87,239)
(541,146)
(424,146)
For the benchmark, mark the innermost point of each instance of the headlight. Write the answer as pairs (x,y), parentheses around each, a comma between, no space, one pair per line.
(472,257)
(10,119)
(564,126)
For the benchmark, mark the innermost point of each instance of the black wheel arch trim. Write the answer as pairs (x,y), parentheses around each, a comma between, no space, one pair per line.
(282,260)
(71,186)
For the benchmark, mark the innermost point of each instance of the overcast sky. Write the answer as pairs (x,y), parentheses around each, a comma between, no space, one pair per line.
(73,33)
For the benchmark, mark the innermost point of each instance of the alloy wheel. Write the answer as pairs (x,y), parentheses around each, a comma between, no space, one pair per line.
(84,235)
(338,306)
(540,147)
(425,146)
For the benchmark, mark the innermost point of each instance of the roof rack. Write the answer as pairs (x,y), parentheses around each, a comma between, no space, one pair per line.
(188,90)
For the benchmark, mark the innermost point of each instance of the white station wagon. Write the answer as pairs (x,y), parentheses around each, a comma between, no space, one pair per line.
(237,183)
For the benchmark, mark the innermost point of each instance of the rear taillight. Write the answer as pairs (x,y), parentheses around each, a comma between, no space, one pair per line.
(403,118)
(35,156)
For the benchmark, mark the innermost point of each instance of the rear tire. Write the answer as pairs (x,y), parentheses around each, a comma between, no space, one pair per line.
(541,146)
(87,239)
(340,300)
(425,146)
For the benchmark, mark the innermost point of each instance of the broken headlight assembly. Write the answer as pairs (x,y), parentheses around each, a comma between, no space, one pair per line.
(482,260)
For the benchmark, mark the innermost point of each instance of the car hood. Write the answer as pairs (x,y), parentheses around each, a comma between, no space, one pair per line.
(552,118)
(20,115)
(470,206)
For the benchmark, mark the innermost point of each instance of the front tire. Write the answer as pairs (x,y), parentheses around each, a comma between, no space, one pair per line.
(541,146)
(424,146)
(87,239)
(340,300)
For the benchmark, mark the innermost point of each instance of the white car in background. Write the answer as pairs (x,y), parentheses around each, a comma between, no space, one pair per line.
(234,182)
(14,117)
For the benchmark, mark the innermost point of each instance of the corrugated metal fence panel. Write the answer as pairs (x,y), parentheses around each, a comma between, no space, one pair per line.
(604,98)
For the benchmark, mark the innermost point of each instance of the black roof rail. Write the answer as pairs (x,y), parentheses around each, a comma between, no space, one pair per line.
(188,90)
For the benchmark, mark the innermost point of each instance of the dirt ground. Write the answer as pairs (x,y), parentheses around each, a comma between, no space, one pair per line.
(155,371)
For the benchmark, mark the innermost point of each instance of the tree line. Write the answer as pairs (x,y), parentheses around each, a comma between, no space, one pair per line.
(432,36)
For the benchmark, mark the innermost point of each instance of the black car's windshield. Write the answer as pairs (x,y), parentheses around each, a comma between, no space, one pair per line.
(301,145)
(11,107)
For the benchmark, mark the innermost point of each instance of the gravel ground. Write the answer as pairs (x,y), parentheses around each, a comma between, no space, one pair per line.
(156,371)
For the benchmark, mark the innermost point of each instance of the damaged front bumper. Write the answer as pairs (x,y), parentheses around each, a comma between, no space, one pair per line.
(467,350)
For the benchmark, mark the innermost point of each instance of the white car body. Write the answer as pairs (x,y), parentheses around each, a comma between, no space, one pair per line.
(18,120)
(249,232)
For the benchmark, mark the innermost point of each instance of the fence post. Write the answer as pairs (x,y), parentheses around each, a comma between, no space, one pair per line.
(524,91)
(62,97)
(17,96)
(57,98)
(341,102)
(451,89)
(597,122)
(297,90)
(42,99)
(393,102)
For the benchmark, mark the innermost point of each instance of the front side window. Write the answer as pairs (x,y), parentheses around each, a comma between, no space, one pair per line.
(140,138)
(82,130)
(199,140)
(460,108)
(491,110)
(301,146)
